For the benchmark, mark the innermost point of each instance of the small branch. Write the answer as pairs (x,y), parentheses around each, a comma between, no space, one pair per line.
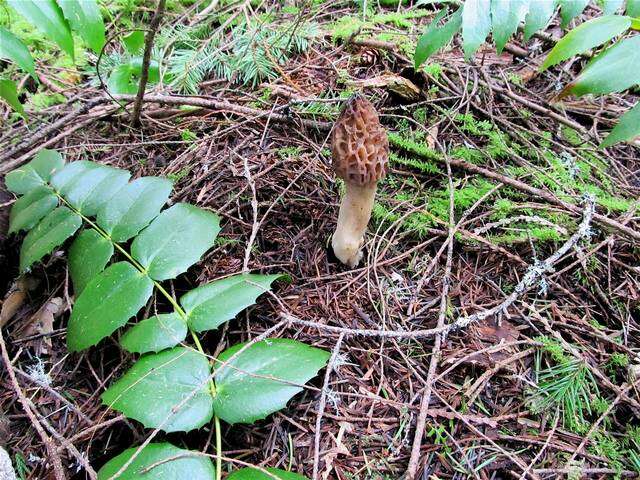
(146,60)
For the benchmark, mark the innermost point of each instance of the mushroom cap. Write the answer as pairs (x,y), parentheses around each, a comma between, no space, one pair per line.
(359,144)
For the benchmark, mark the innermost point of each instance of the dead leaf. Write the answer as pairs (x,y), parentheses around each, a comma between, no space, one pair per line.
(15,299)
(397,84)
(41,324)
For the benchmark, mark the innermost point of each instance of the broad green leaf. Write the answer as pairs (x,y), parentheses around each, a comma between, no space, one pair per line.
(175,240)
(588,35)
(133,207)
(106,303)
(506,15)
(569,9)
(540,12)
(12,48)
(256,474)
(50,233)
(154,334)
(208,306)
(476,24)
(36,173)
(124,78)
(613,70)
(167,390)
(435,37)
(88,186)
(85,18)
(633,8)
(628,128)
(134,42)
(160,461)
(9,93)
(30,209)
(47,17)
(610,7)
(257,382)
(88,255)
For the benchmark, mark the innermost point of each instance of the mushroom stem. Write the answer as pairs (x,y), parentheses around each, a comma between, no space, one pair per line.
(353,218)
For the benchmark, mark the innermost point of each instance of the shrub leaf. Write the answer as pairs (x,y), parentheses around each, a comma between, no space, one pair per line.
(476,24)
(31,208)
(85,18)
(88,255)
(628,127)
(12,48)
(435,37)
(506,15)
(155,333)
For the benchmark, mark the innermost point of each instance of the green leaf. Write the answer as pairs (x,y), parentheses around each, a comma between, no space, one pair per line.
(569,9)
(88,255)
(160,461)
(540,12)
(613,70)
(256,474)
(36,173)
(85,18)
(610,7)
(435,37)
(588,35)
(50,233)
(124,78)
(175,240)
(476,24)
(506,15)
(134,206)
(47,17)
(12,48)
(88,186)
(134,42)
(633,8)
(257,382)
(106,303)
(628,128)
(208,306)
(9,93)
(154,334)
(167,390)
(30,209)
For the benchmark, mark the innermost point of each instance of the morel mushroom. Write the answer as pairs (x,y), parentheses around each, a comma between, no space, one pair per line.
(360,150)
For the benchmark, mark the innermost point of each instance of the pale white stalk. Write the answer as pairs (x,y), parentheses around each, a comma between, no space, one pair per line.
(355,212)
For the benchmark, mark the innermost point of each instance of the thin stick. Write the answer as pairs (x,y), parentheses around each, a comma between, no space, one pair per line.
(146,60)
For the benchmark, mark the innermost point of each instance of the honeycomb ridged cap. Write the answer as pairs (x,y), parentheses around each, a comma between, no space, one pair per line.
(359,144)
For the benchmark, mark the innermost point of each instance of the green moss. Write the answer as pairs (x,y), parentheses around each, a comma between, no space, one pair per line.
(400,19)
(571,135)
(423,166)
(471,155)
(347,26)
(46,100)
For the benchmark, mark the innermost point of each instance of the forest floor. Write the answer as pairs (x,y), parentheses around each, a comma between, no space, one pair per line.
(544,389)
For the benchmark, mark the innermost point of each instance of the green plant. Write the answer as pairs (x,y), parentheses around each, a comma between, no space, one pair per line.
(173,386)
(614,69)
(55,19)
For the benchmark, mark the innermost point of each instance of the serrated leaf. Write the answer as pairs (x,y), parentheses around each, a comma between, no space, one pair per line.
(569,9)
(31,208)
(613,70)
(476,24)
(628,128)
(209,306)
(435,37)
(50,233)
(611,6)
(134,206)
(85,18)
(540,13)
(9,93)
(107,303)
(255,474)
(125,77)
(36,173)
(88,186)
(257,382)
(12,48)
(88,255)
(633,8)
(47,17)
(134,42)
(174,382)
(175,240)
(588,35)
(155,333)
(160,461)
(506,15)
